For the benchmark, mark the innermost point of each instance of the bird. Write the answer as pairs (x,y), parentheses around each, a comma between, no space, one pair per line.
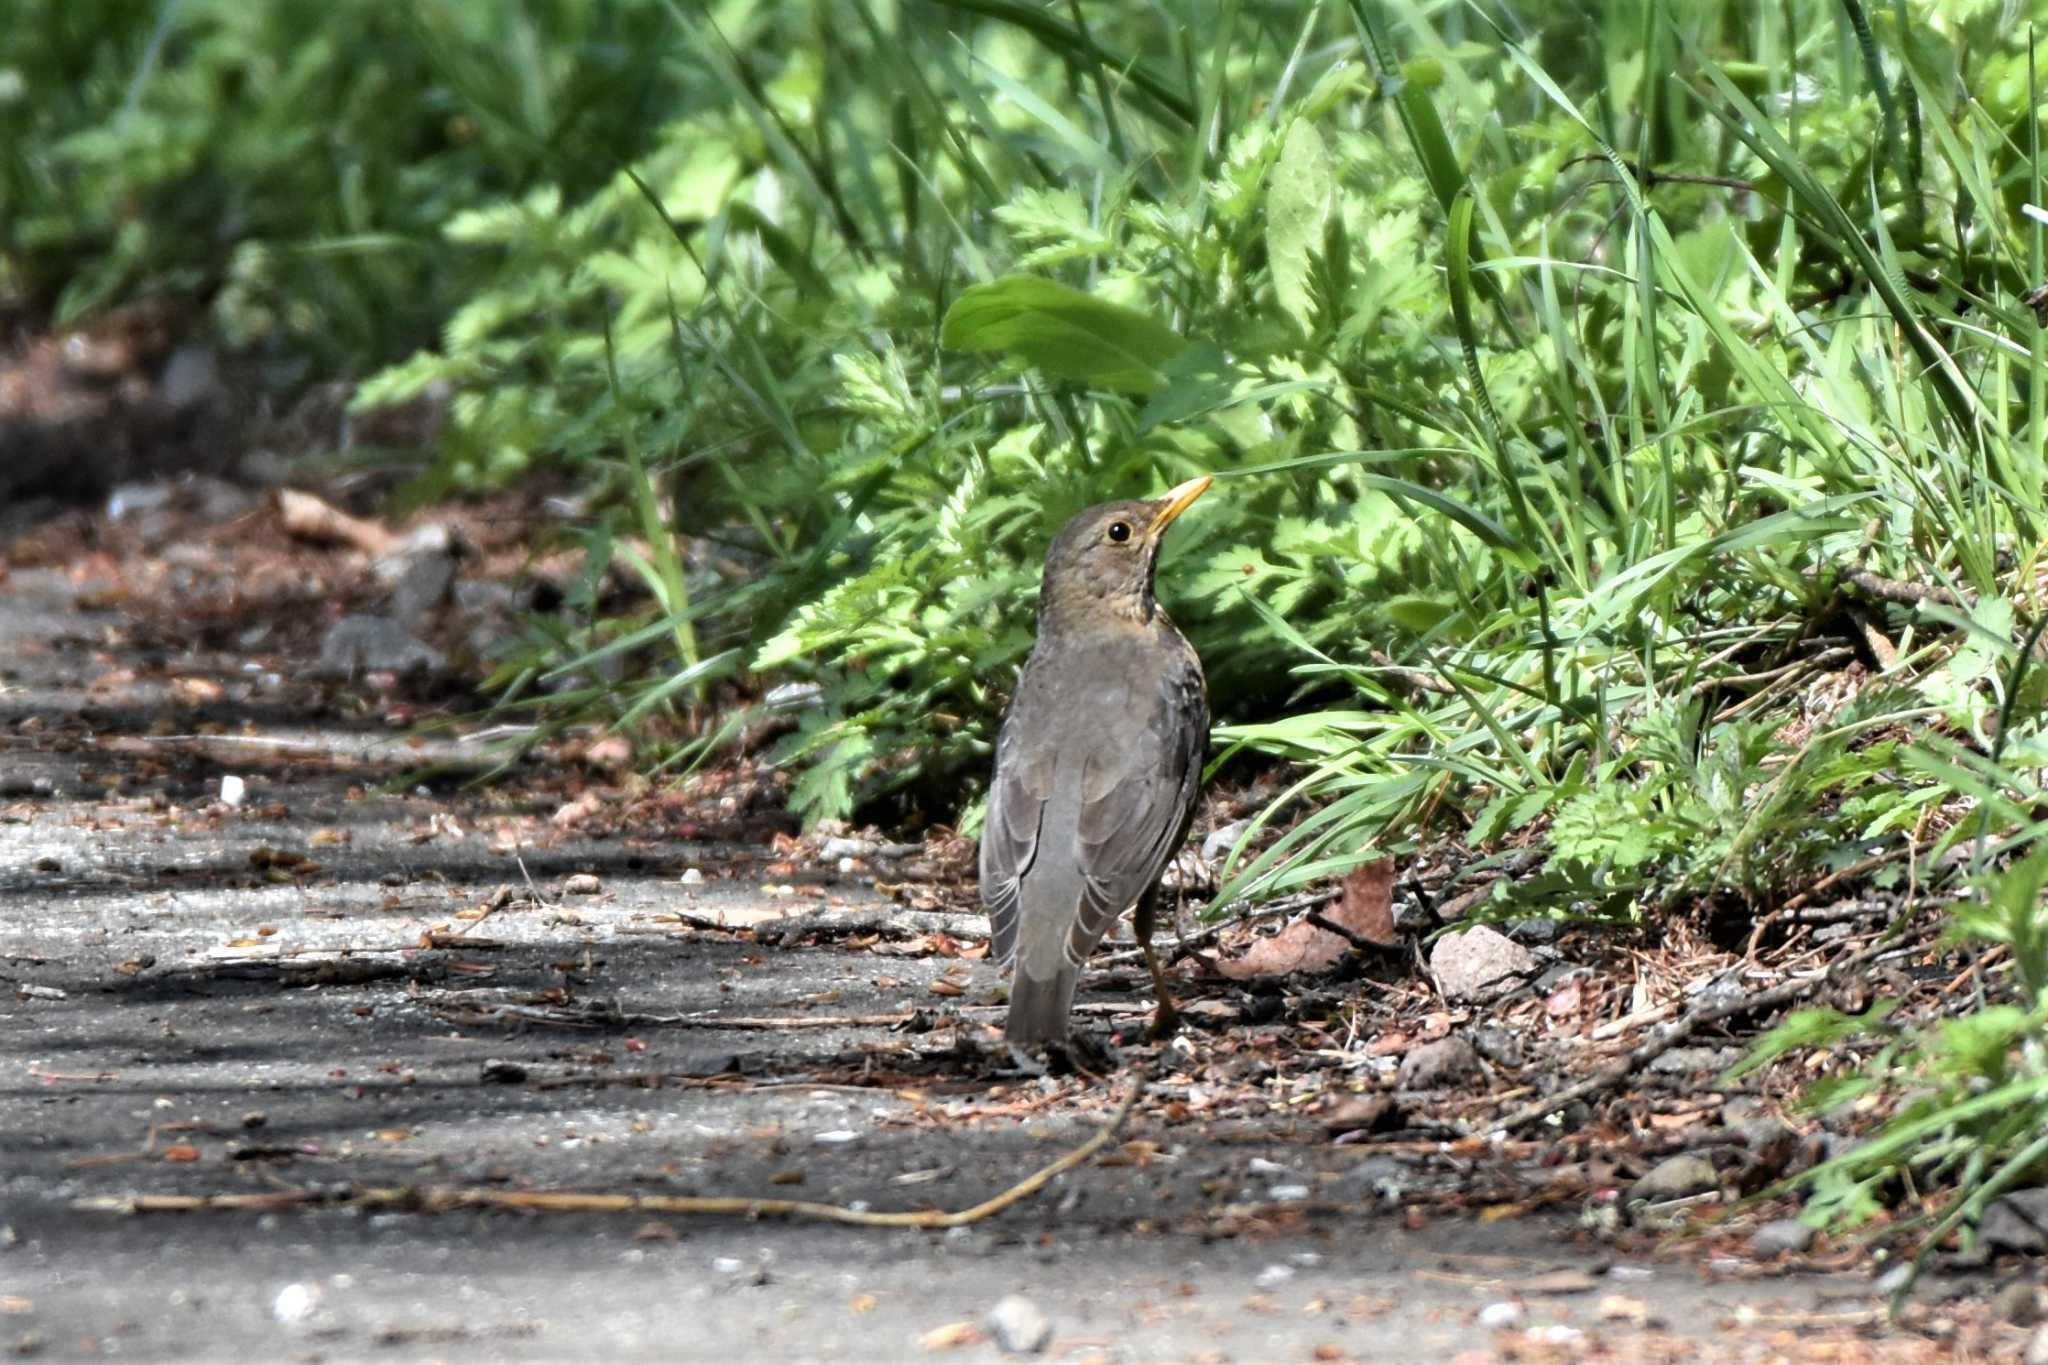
(1098,765)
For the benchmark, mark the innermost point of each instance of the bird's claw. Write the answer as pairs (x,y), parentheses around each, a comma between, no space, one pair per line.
(1027,1065)
(1165,1022)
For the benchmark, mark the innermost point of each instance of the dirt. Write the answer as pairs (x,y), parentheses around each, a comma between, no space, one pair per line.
(356,978)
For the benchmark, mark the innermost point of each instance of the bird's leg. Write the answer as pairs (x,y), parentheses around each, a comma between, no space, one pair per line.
(1165,1018)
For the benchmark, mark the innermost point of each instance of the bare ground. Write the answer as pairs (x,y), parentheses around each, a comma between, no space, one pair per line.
(333,989)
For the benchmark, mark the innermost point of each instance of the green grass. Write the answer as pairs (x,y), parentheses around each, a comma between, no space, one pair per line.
(1629,424)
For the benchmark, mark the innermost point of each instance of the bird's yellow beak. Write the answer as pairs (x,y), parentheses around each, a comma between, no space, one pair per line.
(1178,499)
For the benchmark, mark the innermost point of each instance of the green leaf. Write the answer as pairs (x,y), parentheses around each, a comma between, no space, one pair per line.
(1064,332)
(1297,203)
(1419,614)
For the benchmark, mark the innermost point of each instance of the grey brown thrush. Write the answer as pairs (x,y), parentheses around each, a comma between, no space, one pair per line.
(1097,766)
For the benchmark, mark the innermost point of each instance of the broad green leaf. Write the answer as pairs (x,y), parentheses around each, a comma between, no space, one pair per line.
(1297,204)
(1064,332)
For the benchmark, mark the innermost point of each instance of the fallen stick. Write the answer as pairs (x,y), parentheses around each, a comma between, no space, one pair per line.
(783,1021)
(482,1012)
(447,1198)
(309,518)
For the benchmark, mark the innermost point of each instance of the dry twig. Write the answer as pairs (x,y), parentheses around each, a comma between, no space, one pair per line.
(448,1198)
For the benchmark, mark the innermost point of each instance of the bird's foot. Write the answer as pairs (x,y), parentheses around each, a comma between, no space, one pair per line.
(1165,1021)
(1027,1065)
(1085,1054)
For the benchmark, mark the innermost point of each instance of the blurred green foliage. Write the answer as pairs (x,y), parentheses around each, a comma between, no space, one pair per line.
(293,164)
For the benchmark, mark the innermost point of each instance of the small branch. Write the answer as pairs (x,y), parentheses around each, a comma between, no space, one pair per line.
(750,1023)
(1742,680)
(1880,589)
(448,1198)
(1790,908)
(308,518)
(1359,942)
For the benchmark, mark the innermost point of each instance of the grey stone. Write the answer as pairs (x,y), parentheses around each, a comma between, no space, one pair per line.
(1534,930)
(1018,1325)
(1779,1237)
(131,500)
(1376,1177)
(424,587)
(1687,1061)
(2017,1222)
(970,1242)
(2019,1303)
(1501,1046)
(419,570)
(356,645)
(1676,1177)
(1479,964)
(190,379)
(1412,917)
(1741,1108)
(1438,1064)
(484,595)
(1764,1133)
(1722,989)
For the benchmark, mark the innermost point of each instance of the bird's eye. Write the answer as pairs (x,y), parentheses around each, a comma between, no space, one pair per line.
(1119,531)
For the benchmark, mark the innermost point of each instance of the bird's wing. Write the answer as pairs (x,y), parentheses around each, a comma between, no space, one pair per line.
(1136,801)
(1016,812)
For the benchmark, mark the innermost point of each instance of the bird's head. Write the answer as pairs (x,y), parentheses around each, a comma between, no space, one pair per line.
(1101,563)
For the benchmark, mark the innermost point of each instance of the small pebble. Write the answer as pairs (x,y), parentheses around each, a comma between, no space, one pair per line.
(1018,1325)
(693,876)
(295,1303)
(1435,1065)
(232,791)
(743,1272)
(1506,1313)
(2019,1303)
(1273,1276)
(1676,1177)
(1556,1334)
(582,884)
(1779,1237)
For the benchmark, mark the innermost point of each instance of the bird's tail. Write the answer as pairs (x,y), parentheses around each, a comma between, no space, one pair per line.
(1039,1006)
